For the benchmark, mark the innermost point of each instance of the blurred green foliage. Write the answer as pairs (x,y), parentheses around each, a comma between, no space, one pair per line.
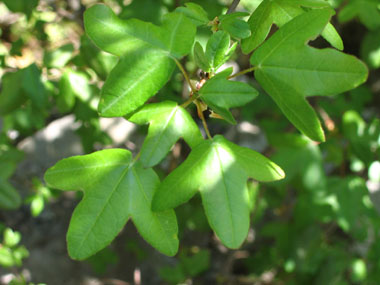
(320,225)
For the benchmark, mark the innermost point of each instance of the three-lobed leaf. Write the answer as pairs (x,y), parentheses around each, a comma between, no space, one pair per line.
(115,189)
(145,52)
(167,123)
(280,12)
(289,70)
(219,169)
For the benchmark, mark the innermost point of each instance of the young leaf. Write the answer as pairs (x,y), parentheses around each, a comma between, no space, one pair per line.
(145,51)
(221,94)
(219,169)
(195,13)
(200,58)
(168,122)
(235,27)
(216,49)
(288,69)
(115,190)
(280,12)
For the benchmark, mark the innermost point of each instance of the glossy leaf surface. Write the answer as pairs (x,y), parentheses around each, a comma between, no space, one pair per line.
(221,94)
(289,70)
(219,169)
(167,123)
(115,190)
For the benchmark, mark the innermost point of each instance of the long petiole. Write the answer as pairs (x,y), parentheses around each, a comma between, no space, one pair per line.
(242,72)
(200,114)
(193,89)
(189,101)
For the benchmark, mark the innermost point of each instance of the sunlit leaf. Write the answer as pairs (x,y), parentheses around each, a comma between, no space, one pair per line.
(115,189)
(219,169)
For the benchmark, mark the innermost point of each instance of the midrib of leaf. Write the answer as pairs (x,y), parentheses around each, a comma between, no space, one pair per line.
(125,171)
(226,193)
(287,36)
(283,102)
(161,133)
(141,188)
(87,167)
(174,32)
(151,71)
(214,52)
(263,67)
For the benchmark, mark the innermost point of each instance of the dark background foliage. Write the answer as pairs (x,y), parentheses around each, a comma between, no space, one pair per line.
(318,226)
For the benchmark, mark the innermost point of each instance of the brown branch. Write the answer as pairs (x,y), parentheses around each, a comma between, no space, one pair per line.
(233,6)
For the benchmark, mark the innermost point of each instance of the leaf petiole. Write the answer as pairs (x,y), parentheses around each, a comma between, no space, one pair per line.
(242,72)
(193,89)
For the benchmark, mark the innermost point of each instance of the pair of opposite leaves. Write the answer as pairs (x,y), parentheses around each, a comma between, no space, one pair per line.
(91,228)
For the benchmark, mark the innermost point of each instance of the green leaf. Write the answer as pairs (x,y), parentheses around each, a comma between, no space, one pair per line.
(217,48)
(168,122)
(11,238)
(58,57)
(101,62)
(117,36)
(6,257)
(195,13)
(221,94)
(235,27)
(289,70)
(115,190)
(145,50)
(200,57)
(219,169)
(9,197)
(133,81)
(366,10)
(73,84)
(280,12)
(21,6)
(370,49)
(11,96)
(34,87)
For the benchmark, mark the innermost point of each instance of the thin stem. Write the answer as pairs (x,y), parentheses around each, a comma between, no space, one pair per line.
(200,114)
(190,100)
(233,6)
(242,72)
(137,157)
(185,75)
